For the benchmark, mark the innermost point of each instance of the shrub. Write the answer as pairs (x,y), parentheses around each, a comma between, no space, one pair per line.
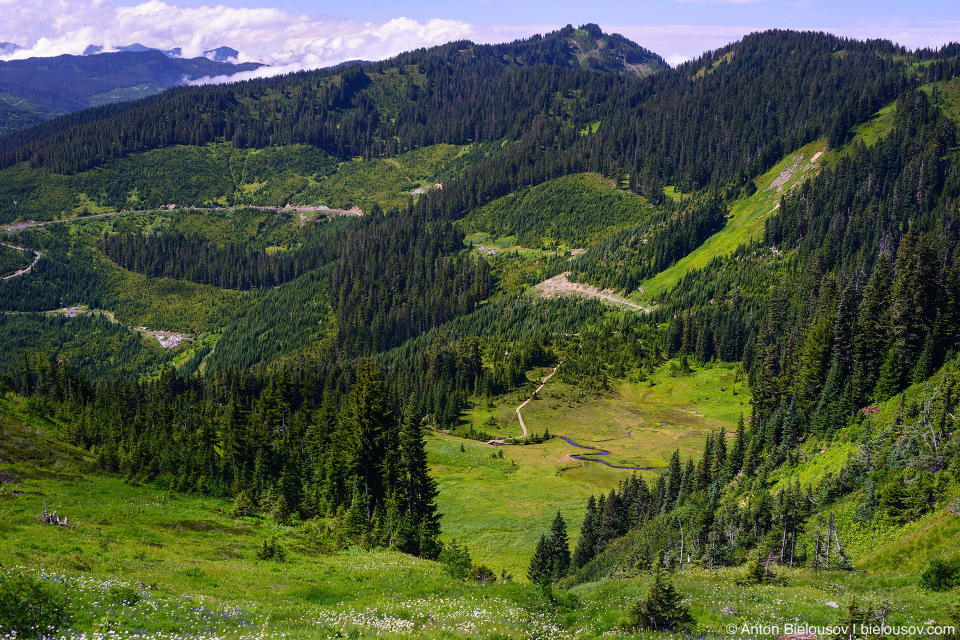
(851,625)
(482,573)
(941,575)
(125,595)
(456,560)
(272,549)
(661,610)
(29,606)
(244,505)
(757,570)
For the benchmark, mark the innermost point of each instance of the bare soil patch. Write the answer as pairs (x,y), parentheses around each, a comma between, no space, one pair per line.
(560,285)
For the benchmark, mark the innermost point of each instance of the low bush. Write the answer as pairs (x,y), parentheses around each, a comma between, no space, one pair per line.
(29,606)
(941,575)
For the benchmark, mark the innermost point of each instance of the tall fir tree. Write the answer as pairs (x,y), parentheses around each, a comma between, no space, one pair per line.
(586,544)
(368,423)
(420,488)
(559,548)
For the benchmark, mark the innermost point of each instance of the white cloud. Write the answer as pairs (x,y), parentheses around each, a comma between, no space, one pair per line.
(676,59)
(285,40)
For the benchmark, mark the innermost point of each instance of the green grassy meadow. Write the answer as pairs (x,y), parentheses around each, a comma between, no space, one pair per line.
(947,96)
(499,510)
(746,219)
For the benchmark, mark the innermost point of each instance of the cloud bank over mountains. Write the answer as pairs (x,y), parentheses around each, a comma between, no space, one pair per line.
(287,41)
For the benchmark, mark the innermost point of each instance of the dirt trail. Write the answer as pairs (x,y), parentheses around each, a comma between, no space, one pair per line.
(561,285)
(27,269)
(544,382)
(500,441)
(320,209)
(29,224)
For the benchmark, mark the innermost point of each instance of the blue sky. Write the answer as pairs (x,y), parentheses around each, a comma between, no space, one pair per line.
(295,34)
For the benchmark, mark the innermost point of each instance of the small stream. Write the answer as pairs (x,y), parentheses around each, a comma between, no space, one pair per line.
(601,452)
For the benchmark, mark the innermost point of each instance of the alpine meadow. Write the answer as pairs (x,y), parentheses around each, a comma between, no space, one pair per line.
(544,339)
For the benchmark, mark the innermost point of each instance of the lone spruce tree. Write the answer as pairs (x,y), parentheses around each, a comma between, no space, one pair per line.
(661,610)
(586,545)
(420,508)
(551,559)
(539,570)
(559,549)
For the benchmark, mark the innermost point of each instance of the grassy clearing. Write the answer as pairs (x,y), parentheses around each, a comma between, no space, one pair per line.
(386,183)
(877,127)
(507,245)
(672,193)
(573,211)
(947,96)
(173,305)
(747,217)
(499,510)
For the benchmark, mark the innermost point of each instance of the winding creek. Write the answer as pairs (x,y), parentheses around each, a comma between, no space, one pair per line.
(601,452)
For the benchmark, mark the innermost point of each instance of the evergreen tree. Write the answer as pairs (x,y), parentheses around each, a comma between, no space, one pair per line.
(587,543)
(661,610)
(719,457)
(539,571)
(421,488)
(735,460)
(612,524)
(674,478)
(869,345)
(368,422)
(559,545)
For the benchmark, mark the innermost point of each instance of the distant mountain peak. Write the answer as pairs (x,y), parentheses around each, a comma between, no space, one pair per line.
(594,49)
(6,48)
(221,54)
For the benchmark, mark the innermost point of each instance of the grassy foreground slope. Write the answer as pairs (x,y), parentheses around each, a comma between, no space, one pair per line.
(144,562)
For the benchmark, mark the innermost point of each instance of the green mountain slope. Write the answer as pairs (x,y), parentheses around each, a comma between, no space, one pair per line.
(572,212)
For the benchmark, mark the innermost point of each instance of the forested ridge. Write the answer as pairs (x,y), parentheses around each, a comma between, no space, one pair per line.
(679,126)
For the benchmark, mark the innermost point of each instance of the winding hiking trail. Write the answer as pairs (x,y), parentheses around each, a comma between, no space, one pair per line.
(501,441)
(27,269)
(524,403)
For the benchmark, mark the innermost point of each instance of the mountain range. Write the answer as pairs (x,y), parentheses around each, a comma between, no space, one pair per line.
(37,89)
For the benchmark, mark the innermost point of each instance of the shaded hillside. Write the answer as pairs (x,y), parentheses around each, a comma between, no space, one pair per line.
(41,88)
